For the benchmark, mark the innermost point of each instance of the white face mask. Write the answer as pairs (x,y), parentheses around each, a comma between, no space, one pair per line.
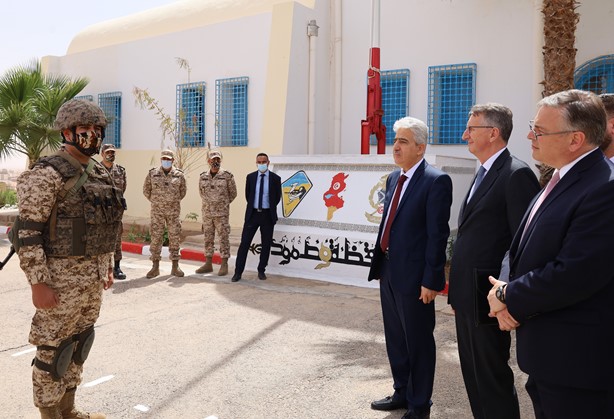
(167,164)
(263,167)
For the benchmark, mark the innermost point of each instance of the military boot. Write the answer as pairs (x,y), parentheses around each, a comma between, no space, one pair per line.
(117,271)
(175,270)
(69,411)
(50,412)
(206,268)
(155,269)
(224,268)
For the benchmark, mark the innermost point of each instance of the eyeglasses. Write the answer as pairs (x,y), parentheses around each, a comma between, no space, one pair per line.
(536,135)
(470,128)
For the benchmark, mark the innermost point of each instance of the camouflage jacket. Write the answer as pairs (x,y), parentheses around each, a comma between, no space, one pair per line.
(164,190)
(217,192)
(118,174)
(38,190)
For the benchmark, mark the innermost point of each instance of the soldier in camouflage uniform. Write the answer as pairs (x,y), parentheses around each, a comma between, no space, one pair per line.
(69,211)
(118,174)
(165,187)
(217,189)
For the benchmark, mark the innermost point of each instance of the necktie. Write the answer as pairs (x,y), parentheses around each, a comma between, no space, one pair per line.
(478,180)
(393,210)
(553,181)
(261,193)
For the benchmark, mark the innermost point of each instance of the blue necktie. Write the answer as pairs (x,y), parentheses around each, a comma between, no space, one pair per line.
(478,180)
(261,193)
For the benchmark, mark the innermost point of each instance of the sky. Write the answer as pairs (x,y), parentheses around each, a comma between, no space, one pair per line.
(34,28)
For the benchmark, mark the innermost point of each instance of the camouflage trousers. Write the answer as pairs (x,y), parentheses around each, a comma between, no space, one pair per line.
(77,282)
(156,231)
(117,255)
(211,225)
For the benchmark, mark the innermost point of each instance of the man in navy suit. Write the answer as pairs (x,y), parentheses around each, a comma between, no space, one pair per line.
(561,289)
(263,193)
(409,259)
(488,219)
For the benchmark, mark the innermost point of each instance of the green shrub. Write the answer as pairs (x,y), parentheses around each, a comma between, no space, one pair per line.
(8,197)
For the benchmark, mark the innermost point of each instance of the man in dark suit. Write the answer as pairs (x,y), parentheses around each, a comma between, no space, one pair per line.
(263,193)
(488,219)
(409,259)
(561,285)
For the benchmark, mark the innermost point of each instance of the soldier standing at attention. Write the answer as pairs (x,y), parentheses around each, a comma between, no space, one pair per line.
(165,187)
(69,212)
(217,189)
(118,174)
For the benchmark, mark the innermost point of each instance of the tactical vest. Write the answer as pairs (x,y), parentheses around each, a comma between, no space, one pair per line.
(85,222)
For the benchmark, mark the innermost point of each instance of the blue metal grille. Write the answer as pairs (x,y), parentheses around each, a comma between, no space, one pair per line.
(111,105)
(191,113)
(85,97)
(451,96)
(395,99)
(231,111)
(596,75)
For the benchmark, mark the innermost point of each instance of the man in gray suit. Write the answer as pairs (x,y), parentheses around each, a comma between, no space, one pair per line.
(489,216)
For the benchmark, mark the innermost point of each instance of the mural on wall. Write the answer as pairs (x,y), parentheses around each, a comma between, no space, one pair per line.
(294,189)
(376,200)
(331,250)
(332,200)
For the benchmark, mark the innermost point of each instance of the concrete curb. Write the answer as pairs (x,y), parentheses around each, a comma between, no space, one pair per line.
(186,253)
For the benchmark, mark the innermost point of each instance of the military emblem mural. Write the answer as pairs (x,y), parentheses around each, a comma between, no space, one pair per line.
(293,191)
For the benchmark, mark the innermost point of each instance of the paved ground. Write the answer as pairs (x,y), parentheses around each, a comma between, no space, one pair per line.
(203,347)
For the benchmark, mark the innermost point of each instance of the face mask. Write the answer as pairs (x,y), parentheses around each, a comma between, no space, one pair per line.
(87,142)
(167,164)
(215,164)
(263,167)
(110,157)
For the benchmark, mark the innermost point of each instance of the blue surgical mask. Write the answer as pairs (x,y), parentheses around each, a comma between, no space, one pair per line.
(263,167)
(167,164)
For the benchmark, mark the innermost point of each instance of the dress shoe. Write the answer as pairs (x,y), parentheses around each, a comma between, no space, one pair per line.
(261,275)
(236,277)
(417,414)
(387,403)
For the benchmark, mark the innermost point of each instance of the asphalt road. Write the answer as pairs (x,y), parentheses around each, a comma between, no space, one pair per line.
(202,347)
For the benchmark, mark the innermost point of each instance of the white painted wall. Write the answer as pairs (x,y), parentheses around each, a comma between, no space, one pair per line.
(498,35)
(503,37)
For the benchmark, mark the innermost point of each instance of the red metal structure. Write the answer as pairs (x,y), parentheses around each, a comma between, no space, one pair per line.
(375,114)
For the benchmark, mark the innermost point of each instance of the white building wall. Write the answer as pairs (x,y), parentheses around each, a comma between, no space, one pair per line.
(504,38)
(498,35)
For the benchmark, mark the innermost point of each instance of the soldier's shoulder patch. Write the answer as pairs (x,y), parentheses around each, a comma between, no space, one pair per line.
(120,168)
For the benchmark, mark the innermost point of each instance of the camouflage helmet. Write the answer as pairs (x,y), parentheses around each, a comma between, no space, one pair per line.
(77,112)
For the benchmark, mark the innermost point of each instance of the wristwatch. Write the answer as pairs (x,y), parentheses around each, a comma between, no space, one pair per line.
(500,293)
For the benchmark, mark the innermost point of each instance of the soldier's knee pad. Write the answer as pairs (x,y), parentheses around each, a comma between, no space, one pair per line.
(61,360)
(85,340)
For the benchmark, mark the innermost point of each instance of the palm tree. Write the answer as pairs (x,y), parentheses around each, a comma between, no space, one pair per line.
(29,102)
(560,21)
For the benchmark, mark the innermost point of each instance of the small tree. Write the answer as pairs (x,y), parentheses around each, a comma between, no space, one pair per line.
(29,102)
(186,155)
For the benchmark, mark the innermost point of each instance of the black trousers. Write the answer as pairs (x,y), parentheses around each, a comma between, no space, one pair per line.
(258,220)
(484,355)
(410,344)
(554,401)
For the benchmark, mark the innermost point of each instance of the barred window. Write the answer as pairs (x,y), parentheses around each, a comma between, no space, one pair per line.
(231,111)
(451,96)
(190,98)
(596,75)
(395,98)
(111,105)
